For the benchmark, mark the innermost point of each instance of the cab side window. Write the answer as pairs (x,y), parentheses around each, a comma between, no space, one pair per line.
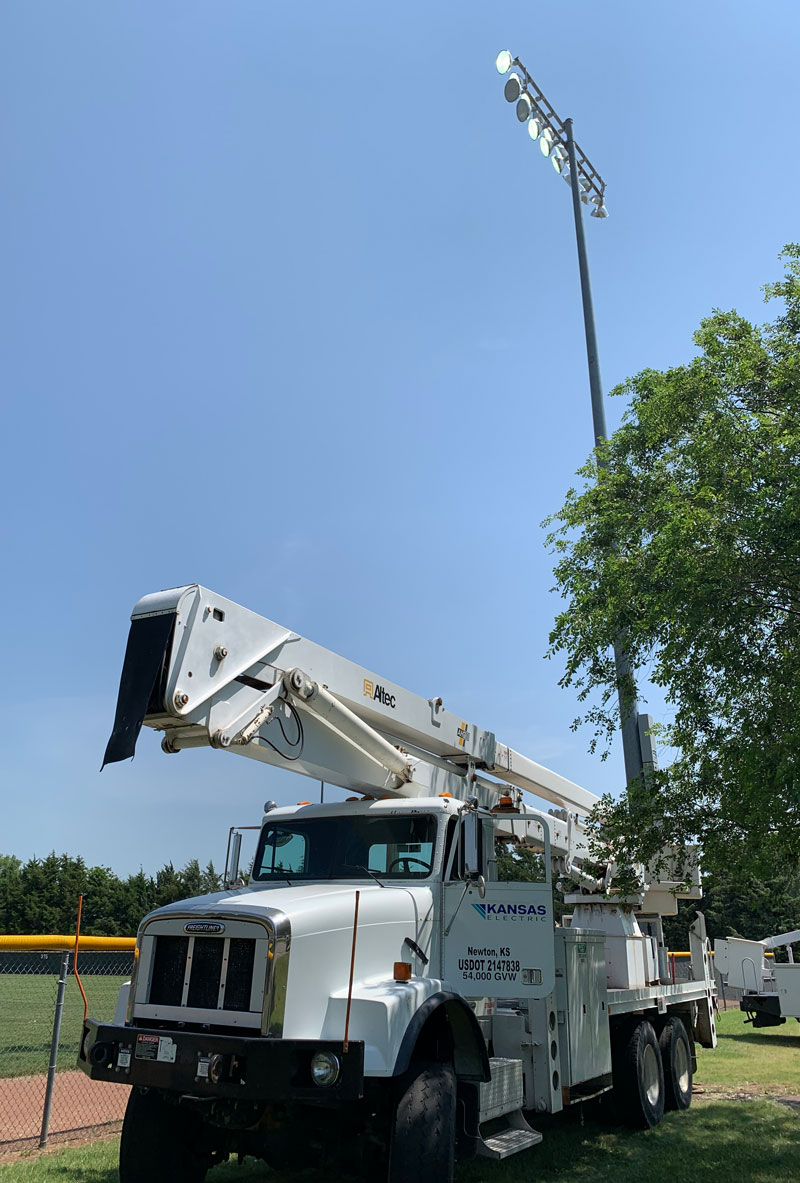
(454,872)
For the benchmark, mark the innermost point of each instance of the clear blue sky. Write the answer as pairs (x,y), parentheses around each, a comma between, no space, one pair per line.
(290,308)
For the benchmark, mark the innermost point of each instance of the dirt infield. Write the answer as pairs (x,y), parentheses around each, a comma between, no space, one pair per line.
(80,1106)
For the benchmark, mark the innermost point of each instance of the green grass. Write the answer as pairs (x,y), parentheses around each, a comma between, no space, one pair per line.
(717,1141)
(751,1059)
(27,1006)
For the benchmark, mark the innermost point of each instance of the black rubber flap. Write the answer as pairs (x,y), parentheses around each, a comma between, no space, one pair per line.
(143,672)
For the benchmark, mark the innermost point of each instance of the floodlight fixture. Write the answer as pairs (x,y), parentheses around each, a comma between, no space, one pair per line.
(546,141)
(558,160)
(503,61)
(525,107)
(600,210)
(535,127)
(513,87)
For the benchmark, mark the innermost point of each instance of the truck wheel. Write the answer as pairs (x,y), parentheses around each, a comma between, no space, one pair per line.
(423,1138)
(639,1078)
(160,1141)
(676,1056)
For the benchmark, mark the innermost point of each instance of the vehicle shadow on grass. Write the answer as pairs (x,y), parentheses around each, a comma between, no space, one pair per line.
(715,1142)
(791,1041)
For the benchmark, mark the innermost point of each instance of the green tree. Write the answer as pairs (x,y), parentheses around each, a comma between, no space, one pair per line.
(168,886)
(685,542)
(741,906)
(10,891)
(41,896)
(211,881)
(191,879)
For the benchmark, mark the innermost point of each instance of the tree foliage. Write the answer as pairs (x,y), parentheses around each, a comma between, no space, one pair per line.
(739,905)
(685,543)
(41,896)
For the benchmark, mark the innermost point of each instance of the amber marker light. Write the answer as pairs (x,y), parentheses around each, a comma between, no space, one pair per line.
(402,971)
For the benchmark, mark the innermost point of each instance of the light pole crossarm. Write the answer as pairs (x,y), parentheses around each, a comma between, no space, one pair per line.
(559,126)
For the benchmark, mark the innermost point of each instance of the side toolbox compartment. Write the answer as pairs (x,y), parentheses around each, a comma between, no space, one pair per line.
(582,999)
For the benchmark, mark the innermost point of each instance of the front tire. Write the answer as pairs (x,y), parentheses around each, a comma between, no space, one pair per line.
(676,1056)
(423,1137)
(639,1078)
(160,1141)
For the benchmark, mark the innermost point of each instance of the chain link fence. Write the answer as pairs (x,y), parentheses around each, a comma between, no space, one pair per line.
(43,1096)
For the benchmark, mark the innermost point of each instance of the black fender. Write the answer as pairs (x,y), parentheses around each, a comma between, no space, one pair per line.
(470,1058)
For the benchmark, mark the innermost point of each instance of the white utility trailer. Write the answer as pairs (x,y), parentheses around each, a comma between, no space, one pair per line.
(770,989)
(391,978)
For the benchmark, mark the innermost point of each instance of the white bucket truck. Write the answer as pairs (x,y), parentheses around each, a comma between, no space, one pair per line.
(770,990)
(392,977)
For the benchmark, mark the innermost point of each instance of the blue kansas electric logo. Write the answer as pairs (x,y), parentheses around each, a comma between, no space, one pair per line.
(511,911)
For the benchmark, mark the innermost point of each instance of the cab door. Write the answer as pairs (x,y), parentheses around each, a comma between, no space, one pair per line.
(497,933)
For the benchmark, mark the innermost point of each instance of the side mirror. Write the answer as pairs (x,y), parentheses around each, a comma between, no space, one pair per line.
(475,879)
(232,870)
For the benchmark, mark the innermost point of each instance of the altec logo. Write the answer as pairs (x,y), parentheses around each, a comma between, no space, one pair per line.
(379,693)
(462,733)
(511,911)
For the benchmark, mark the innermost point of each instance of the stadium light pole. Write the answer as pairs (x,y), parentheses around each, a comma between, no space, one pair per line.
(557,142)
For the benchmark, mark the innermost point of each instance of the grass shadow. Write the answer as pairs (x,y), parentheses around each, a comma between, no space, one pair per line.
(790,1041)
(759,1141)
(715,1142)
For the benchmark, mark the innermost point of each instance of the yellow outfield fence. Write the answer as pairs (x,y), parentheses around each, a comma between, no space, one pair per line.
(53,943)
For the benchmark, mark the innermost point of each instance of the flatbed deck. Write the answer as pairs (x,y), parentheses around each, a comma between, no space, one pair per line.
(662,996)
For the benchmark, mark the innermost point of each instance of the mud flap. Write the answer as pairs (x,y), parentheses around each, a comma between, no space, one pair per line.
(149,643)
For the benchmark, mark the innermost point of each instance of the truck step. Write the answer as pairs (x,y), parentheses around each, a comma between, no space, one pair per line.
(508,1142)
(518,1136)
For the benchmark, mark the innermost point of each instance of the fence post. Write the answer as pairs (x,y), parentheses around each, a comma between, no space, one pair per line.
(51,1071)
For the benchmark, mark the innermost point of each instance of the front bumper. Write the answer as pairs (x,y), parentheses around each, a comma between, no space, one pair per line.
(252,1068)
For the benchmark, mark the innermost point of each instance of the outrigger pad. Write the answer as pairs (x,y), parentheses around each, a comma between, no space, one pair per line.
(149,643)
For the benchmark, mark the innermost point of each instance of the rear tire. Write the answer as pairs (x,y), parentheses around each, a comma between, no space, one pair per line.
(639,1078)
(160,1141)
(676,1056)
(423,1137)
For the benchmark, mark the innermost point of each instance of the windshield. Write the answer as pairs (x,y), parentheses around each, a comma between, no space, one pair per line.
(346,848)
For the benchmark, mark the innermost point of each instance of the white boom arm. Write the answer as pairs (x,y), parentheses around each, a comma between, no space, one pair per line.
(782,938)
(207,672)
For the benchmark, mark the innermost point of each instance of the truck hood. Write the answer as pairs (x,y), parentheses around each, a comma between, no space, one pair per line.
(310,907)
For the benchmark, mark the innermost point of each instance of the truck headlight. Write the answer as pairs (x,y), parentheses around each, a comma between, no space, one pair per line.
(325,1069)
